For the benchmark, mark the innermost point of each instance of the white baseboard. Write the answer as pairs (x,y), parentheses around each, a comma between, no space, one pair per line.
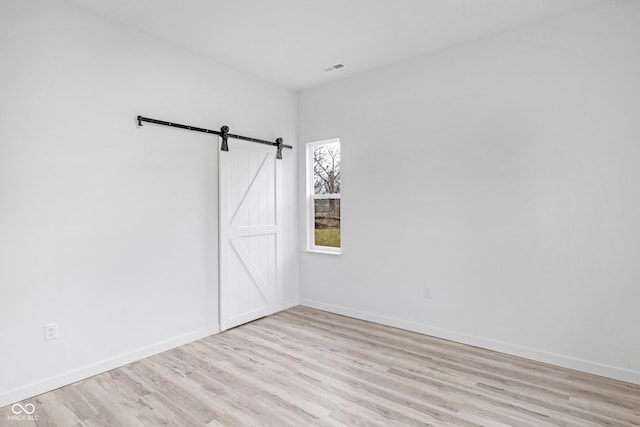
(66,378)
(614,372)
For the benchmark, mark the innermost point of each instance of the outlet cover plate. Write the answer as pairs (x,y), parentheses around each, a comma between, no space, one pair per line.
(50,331)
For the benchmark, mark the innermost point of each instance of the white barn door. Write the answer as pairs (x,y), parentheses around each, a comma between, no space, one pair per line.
(249,233)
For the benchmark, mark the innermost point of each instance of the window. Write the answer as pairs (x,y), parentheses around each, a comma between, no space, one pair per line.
(323,196)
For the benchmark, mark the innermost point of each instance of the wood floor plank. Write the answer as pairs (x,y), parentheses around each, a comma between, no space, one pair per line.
(306,367)
(332,367)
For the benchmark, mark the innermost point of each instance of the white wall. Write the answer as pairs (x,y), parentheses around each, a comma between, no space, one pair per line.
(502,173)
(106,228)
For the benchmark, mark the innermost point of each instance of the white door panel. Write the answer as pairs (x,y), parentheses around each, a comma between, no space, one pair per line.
(249,233)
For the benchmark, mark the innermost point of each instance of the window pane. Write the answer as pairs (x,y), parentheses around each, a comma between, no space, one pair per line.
(326,168)
(327,222)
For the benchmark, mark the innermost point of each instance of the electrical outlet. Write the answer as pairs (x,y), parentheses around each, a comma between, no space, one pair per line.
(426,292)
(51,331)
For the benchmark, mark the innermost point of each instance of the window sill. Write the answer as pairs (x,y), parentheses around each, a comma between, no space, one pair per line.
(318,251)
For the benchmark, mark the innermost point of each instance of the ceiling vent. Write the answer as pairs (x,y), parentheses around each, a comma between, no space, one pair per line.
(333,68)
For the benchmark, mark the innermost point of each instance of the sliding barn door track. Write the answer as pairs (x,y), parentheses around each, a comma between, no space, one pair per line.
(223,133)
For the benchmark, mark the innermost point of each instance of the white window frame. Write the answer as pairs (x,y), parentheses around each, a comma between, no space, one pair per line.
(311,197)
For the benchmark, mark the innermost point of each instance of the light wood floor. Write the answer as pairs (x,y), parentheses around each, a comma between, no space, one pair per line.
(307,367)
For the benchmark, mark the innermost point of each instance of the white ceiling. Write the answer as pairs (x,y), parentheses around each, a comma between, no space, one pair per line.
(290,42)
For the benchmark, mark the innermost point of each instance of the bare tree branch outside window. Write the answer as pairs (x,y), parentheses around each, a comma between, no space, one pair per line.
(326,169)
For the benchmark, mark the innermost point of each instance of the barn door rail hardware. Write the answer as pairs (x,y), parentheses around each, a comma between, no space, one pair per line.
(223,133)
